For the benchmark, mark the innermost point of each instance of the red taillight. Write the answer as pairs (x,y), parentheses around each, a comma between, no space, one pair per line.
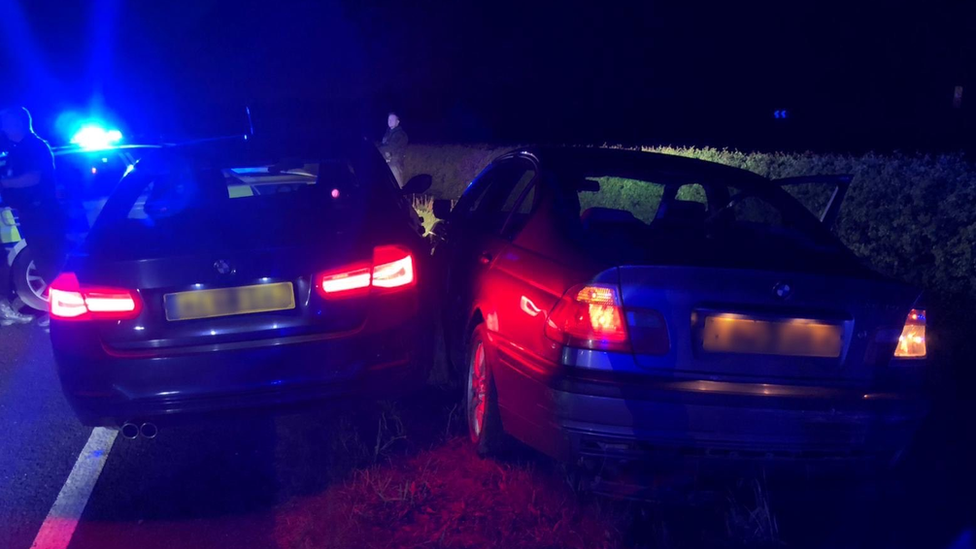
(911,342)
(346,283)
(590,317)
(65,298)
(392,268)
(69,300)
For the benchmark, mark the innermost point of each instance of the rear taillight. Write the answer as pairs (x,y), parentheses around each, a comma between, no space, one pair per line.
(70,300)
(392,268)
(346,283)
(911,342)
(589,317)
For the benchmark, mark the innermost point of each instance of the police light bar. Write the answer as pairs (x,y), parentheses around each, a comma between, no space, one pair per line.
(95,137)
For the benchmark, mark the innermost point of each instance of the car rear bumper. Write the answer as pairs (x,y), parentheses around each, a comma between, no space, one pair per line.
(108,390)
(570,417)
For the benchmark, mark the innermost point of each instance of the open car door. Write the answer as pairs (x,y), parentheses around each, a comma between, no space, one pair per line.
(840,183)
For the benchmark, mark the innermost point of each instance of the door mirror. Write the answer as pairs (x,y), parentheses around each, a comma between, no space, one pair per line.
(442,208)
(417,184)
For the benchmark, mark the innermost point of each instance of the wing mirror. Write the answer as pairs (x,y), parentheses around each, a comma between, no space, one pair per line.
(417,184)
(442,208)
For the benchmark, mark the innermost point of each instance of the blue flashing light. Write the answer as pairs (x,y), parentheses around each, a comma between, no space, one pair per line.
(93,137)
(128,169)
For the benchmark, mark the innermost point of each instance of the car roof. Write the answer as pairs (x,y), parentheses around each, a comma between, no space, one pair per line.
(624,162)
(247,149)
(75,149)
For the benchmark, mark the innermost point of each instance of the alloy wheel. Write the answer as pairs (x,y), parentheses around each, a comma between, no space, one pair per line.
(477,391)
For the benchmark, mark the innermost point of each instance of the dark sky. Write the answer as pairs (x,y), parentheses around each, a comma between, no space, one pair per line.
(853,75)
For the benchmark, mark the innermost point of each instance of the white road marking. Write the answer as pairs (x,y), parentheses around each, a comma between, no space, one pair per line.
(62,519)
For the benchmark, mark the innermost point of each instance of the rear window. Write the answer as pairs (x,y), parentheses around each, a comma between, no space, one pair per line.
(184,209)
(641,199)
(687,219)
(269,189)
(609,202)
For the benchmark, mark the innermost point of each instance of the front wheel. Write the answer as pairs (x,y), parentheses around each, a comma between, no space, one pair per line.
(481,399)
(27,283)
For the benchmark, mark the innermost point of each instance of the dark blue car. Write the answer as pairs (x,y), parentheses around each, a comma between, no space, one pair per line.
(231,275)
(618,304)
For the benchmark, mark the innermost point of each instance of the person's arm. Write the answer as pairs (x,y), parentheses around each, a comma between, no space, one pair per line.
(398,142)
(24,180)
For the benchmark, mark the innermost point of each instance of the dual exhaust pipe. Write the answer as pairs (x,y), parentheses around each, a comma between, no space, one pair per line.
(131,430)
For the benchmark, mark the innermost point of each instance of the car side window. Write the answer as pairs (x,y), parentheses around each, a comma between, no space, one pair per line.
(519,205)
(471,198)
(692,192)
(495,195)
(757,211)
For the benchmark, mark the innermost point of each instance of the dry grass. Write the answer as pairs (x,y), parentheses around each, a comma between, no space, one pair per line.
(750,518)
(446,497)
(403,474)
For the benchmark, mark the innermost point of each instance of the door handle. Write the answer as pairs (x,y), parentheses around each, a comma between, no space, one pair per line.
(484,258)
(528,307)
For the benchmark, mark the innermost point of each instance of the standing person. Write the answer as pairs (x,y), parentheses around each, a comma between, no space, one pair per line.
(27,185)
(394,146)
(8,315)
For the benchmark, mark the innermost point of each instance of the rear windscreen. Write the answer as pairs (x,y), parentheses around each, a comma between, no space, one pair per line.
(236,206)
(679,219)
(235,190)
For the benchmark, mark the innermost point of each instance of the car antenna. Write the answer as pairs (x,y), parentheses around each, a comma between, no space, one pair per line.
(250,123)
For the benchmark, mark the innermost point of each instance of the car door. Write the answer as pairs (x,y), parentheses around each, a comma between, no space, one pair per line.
(533,269)
(523,281)
(475,235)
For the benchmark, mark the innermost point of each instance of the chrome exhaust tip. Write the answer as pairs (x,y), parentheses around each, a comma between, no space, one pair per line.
(149,430)
(129,430)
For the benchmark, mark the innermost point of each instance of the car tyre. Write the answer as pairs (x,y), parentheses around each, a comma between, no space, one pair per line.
(26,284)
(481,398)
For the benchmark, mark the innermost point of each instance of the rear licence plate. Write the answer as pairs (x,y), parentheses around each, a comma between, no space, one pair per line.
(259,298)
(735,334)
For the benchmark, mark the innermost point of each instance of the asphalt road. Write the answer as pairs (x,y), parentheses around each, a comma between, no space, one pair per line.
(41,438)
(211,485)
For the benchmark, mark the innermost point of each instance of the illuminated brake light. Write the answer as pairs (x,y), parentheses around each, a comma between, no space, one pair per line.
(911,342)
(66,300)
(356,279)
(590,317)
(100,301)
(392,268)
(69,300)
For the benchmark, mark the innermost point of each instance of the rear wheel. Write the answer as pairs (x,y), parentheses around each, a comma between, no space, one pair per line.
(28,284)
(481,399)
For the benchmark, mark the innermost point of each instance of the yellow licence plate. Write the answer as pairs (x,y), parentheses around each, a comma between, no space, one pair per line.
(797,337)
(259,298)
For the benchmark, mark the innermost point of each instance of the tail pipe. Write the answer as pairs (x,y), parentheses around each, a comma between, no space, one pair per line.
(149,430)
(129,430)
(132,430)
